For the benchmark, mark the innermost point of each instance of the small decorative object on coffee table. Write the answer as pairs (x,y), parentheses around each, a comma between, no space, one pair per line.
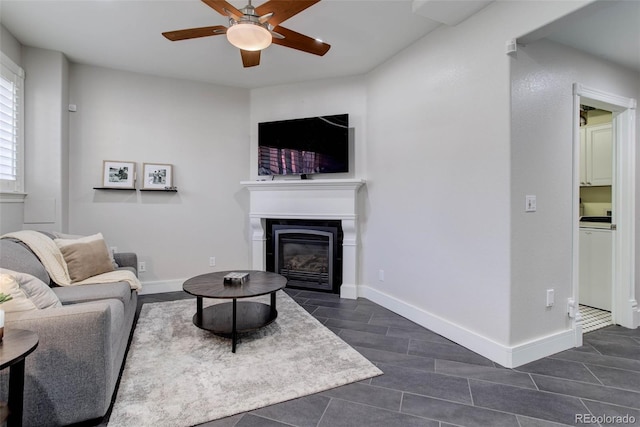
(230,318)
(235,278)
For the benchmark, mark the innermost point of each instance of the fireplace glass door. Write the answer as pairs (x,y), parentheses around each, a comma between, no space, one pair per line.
(305,257)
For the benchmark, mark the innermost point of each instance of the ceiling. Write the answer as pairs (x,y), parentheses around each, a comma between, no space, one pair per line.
(126,35)
(606,29)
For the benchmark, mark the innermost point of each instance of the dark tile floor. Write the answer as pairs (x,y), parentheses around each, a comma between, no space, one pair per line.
(431,381)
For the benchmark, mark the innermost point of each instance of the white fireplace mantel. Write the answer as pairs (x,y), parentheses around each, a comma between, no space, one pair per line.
(335,199)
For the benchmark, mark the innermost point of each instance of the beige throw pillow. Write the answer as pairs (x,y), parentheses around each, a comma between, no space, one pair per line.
(59,235)
(27,292)
(85,257)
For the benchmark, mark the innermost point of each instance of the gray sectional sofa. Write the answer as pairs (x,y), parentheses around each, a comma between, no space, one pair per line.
(72,375)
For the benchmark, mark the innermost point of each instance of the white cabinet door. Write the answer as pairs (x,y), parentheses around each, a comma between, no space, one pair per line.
(595,268)
(596,155)
(601,154)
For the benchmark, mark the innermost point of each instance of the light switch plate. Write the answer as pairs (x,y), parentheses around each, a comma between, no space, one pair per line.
(550,297)
(530,203)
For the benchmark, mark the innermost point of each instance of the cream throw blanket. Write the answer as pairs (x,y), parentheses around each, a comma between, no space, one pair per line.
(51,257)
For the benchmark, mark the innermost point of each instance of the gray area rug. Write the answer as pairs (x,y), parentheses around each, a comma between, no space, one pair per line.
(179,375)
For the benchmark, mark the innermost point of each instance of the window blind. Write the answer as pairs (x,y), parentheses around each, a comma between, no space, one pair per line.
(11,100)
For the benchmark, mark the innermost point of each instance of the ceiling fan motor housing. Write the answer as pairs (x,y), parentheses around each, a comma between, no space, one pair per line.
(248,33)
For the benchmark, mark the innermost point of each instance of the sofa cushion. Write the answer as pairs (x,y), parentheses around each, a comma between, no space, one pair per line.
(27,292)
(85,257)
(89,293)
(58,235)
(16,256)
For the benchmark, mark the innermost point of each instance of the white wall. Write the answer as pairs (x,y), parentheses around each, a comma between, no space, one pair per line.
(10,46)
(436,158)
(543,74)
(46,139)
(439,187)
(323,97)
(437,205)
(439,162)
(202,129)
(11,212)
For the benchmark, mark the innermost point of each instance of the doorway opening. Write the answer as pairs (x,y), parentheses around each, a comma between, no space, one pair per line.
(597,169)
(606,254)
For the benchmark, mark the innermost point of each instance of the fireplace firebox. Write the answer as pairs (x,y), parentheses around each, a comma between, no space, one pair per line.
(307,252)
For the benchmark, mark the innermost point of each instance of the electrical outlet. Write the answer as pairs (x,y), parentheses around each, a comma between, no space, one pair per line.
(571,308)
(142,267)
(381,275)
(212,261)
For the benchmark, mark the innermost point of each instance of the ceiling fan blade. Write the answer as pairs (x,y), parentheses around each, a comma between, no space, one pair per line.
(299,41)
(283,9)
(194,33)
(250,58)
(224,8)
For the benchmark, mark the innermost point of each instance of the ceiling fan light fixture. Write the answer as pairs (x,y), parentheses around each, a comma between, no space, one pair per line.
(249,36)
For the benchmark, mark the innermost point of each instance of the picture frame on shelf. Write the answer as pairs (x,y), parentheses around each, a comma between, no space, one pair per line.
(118,174)
(157,176)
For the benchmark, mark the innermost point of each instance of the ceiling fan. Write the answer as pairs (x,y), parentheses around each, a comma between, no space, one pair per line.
(253,29)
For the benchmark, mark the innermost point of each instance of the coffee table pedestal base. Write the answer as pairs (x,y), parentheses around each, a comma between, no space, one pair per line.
(230,318)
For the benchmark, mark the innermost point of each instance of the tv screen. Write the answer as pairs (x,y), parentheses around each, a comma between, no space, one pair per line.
(304,146)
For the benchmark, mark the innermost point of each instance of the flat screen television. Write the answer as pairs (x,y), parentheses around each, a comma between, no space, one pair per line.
(304,146)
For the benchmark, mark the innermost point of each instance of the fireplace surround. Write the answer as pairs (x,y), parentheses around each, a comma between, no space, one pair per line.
(312,199)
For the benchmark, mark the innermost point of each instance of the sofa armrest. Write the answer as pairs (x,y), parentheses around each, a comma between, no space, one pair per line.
(72,360)
(127,260)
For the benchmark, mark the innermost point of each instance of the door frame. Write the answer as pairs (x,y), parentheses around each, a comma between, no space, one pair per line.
(624,303)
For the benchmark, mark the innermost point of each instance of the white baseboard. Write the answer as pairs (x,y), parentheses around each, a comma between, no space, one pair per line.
(507,356)
(161,286)
(542,347)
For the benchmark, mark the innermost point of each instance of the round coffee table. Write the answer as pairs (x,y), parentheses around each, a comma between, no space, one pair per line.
(230,318)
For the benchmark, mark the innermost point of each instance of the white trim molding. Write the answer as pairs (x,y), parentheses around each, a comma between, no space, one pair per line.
(604,100)
(505,355)
(12,197)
